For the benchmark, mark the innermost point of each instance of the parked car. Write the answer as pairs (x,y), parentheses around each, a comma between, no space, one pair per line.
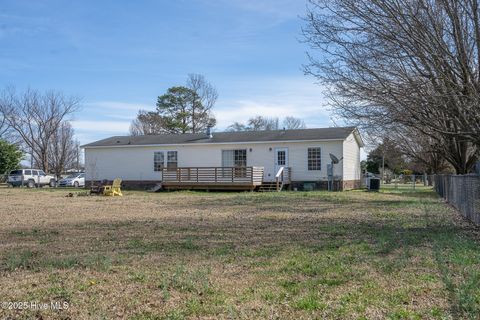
(74,180)
(30,178)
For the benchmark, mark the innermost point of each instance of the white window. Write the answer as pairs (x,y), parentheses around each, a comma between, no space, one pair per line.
(314,159)
(234,158)
(162,161)
(281,157)
(172,161)
(158,160)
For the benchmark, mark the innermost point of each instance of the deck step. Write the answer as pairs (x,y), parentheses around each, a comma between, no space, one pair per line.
(156,188)
(268,187)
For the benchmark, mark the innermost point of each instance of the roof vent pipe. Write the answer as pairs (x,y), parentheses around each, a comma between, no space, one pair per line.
(209,132)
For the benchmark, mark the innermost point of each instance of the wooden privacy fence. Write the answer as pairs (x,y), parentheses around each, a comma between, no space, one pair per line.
(461,191)
(220,175)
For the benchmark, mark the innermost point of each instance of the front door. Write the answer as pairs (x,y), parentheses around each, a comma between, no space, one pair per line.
(281,159)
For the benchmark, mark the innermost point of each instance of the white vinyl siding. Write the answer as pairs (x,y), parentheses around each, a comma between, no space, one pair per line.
(351,159)
(137,162)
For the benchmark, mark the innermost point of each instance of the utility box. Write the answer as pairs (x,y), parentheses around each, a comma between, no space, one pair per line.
(374,184)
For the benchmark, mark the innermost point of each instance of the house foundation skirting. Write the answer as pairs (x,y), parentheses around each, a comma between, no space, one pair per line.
(338,185)
(351,184)
(129,184)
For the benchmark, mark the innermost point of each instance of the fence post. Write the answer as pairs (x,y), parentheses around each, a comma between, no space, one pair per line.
(413,181)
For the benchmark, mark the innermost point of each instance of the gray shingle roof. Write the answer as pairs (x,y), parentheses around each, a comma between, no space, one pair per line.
(339,133)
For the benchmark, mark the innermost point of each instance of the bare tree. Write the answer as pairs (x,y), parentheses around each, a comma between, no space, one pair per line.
(147,123)
(203,102)
(237,126)
(180,110)
(426,153)
(4,127)
(293,123)
(410,63)
(36,118)
(6,131)
(260,123)
(63,150)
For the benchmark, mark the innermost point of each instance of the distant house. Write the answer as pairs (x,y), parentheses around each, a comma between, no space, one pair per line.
(298,159)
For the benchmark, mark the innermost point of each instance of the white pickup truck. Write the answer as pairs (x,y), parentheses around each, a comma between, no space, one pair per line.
(31,178)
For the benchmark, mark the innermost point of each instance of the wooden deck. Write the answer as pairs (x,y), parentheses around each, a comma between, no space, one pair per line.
(213,178)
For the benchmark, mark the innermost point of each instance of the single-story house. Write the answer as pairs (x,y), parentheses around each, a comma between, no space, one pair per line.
(300,157)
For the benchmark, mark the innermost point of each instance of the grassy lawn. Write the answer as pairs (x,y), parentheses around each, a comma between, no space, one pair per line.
(351,255)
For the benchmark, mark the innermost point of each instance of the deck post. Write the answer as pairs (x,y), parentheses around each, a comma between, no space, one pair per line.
(197,174)
(216,174)
(233,170)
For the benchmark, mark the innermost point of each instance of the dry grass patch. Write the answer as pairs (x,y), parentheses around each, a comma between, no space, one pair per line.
(296,255)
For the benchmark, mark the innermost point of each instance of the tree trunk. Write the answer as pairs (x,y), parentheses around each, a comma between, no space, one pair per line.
(44,163)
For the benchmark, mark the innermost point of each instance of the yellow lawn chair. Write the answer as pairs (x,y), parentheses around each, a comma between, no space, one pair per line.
(114,189)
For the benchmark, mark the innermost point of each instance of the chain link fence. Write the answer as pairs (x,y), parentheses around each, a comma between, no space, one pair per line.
(400,182)
(461,191)
(407,181)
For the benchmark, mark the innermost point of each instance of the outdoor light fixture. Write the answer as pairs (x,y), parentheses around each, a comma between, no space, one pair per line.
(270,149)
(250,150)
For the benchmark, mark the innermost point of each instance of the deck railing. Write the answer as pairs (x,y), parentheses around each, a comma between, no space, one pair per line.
(227,175)
(282,177)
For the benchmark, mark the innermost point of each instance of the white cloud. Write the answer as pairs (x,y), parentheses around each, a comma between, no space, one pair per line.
(15,25)
(268,96)
(128,117)
(117,105)
(281,97)
(101,119)
(276,9)
(118,127)
(242,110)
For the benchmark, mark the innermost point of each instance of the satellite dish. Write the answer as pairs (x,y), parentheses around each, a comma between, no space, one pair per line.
(334,159)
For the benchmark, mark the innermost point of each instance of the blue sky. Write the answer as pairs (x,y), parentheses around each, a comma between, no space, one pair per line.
(118,56)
